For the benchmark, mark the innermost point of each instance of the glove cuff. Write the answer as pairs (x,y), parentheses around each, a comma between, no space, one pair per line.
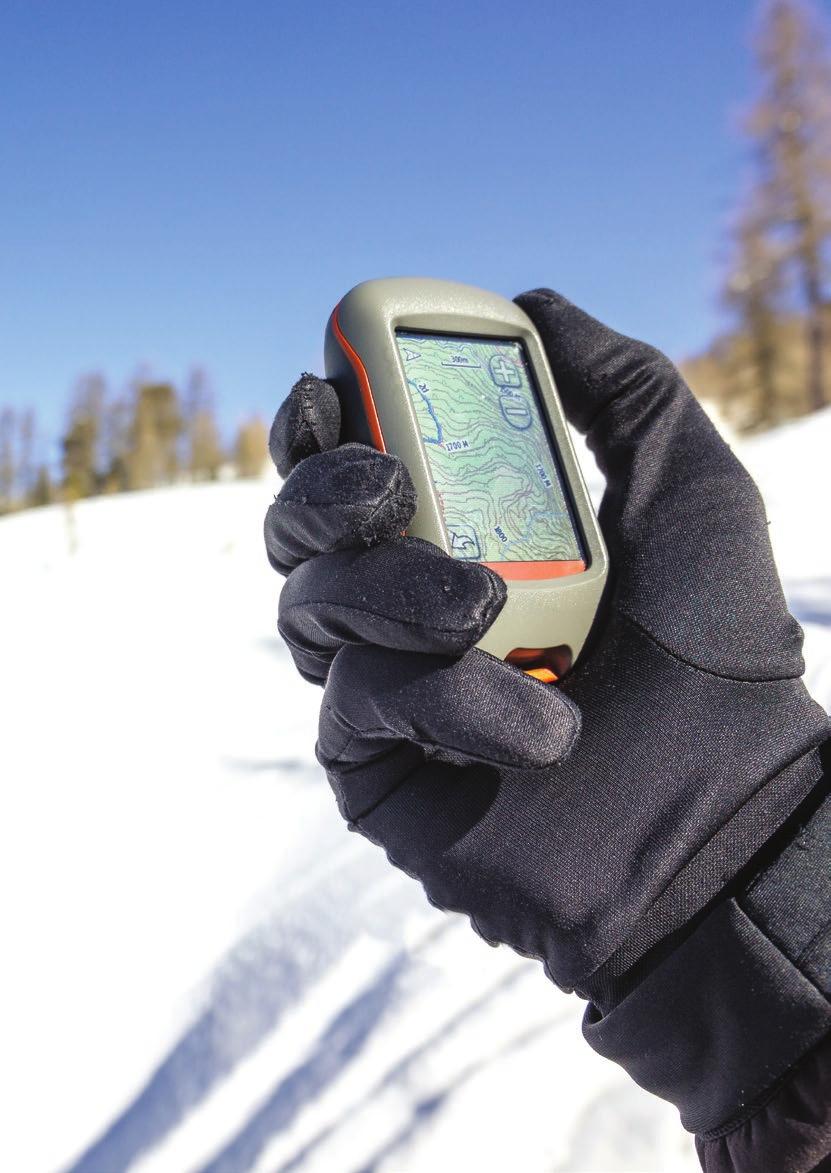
(716,1025)
(791,1132)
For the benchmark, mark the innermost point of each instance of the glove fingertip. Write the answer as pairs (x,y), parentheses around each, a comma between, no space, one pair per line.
(493,597)
(307,422)
(551,724)
(541,298)
(570,727)
(497,583)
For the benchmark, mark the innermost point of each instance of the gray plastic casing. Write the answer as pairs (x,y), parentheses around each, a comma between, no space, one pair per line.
(539,612)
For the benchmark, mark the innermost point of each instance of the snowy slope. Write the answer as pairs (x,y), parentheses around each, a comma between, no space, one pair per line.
(203,970)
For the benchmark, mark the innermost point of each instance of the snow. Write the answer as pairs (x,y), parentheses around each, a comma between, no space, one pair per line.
(202,969)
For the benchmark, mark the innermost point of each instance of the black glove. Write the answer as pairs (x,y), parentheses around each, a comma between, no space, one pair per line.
(587,824)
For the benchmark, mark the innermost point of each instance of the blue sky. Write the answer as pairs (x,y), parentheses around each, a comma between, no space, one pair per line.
(200,182)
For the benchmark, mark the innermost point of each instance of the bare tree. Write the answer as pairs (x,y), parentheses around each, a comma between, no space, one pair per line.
(790,127)
(26,457)
(116,443)
(752,295)
(8,464)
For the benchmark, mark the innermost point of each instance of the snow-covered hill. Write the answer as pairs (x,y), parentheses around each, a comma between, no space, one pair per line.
(202,970)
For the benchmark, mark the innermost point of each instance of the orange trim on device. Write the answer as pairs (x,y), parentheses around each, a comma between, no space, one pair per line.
(543,674)
(520,656)
(545,664)
(537,569)
(363,382)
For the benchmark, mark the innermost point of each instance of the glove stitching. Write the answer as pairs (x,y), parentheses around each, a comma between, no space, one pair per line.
(409,623)
(393,488)
(356,820)
(294,559)
(624,937)
(324,657)
(307,411)
(794,961)
(384,731)
(289,503)
(821,932)
(533,955)
(745,1117)
(700,667)
(352,733)
(346,728)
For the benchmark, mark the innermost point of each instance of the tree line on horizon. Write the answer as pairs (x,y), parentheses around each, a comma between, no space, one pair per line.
(153,434)
(773,361)
(770,363)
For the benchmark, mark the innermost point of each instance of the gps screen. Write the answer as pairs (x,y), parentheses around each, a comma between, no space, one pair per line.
(495,471)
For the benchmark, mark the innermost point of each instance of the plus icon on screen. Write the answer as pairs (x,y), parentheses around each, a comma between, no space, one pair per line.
(504,372)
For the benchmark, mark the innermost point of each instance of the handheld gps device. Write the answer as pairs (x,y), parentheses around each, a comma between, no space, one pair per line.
(454,381)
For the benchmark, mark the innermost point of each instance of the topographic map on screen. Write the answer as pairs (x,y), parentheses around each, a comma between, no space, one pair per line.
(490,457)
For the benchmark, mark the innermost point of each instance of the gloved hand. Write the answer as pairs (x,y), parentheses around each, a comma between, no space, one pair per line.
(580,823)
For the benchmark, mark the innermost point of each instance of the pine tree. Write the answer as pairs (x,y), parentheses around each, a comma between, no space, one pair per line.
(157,425)
(42,492)
(203,448)
(251,448)
(80,444)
